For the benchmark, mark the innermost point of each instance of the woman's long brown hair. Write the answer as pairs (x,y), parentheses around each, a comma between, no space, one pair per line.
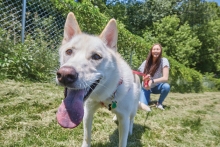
(151,68)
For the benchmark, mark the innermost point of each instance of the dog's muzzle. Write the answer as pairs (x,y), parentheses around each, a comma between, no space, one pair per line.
(70,112)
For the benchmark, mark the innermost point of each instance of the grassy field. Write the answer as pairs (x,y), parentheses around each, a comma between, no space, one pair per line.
(27,119)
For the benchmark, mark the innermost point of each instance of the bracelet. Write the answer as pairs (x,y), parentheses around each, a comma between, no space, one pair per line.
(152,80)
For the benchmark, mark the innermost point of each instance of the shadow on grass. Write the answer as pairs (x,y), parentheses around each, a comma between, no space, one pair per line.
(133,140)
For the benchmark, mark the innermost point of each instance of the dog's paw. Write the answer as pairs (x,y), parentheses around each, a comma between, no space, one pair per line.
(85,144)
(115,120)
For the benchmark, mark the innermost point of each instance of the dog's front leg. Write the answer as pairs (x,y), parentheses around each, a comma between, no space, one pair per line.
(123,129)
(89,110)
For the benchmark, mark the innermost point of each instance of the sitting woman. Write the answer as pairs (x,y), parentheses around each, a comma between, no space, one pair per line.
(156,69)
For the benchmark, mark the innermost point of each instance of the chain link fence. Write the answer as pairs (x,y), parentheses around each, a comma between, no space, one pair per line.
(31,18)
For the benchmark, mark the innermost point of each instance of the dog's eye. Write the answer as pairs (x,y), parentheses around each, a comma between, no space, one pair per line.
(69,52)
(96,57)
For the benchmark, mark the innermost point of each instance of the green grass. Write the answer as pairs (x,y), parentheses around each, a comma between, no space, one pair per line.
(28,119)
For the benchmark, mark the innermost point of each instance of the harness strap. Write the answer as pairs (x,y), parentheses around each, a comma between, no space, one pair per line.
(119,83)
(141,74)
(114,103)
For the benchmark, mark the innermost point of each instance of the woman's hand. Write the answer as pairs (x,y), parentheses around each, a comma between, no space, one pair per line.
(147,83)
(147,77)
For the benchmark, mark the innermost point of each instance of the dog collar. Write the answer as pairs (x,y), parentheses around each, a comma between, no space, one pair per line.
(114,102)
(119,83)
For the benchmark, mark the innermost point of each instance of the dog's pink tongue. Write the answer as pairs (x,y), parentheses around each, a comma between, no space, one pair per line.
(70,112)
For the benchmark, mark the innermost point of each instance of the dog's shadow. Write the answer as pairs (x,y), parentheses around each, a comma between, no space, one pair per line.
(133,140)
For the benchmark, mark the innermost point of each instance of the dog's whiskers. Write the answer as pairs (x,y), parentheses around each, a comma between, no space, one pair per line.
(89,87)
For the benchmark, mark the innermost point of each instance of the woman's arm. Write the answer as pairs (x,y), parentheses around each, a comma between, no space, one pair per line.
(162,79)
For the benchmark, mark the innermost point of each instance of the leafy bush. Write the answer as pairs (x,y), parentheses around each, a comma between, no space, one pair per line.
(211,83)
(29,61)
(183,79)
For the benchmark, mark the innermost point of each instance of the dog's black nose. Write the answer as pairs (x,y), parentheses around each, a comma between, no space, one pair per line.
(67,75)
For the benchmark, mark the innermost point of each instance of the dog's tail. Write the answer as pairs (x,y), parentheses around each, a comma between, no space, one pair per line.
(137,80)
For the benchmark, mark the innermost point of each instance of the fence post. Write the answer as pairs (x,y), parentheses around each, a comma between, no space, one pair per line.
(131,57)
(23,20)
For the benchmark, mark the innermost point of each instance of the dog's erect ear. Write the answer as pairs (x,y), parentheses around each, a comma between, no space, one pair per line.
(110,34)
(71,28)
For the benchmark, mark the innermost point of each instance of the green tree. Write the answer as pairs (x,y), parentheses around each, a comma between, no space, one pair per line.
(209,54)
(194,12)
(203,18)
(198,12)
(117,10)
(137,15)
(179,42)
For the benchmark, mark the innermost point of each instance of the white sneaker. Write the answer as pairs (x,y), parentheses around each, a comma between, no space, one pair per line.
(148,109)
(160,107)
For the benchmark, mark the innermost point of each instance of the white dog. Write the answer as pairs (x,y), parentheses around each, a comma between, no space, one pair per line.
(95,75)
